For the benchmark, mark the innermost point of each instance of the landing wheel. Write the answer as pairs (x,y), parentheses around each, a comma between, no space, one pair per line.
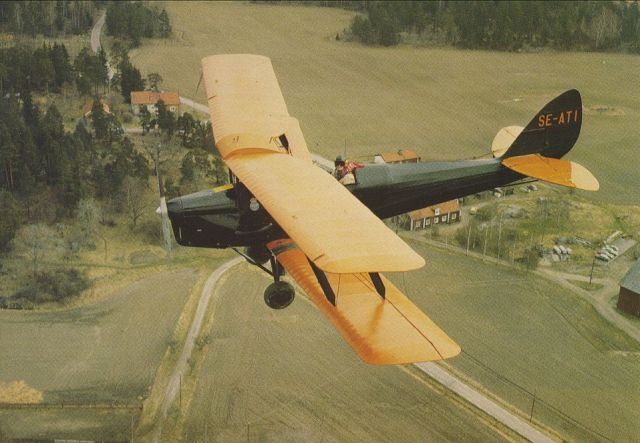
(279,295)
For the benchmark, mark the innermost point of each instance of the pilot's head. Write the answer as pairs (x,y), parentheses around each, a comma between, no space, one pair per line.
(338,162)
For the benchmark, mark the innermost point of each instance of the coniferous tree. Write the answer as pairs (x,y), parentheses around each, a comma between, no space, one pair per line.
(130,80)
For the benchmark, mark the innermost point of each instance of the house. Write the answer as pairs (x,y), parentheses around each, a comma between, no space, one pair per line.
(447,212)
(88,106)
(150,98)
(629,297)
(399,156)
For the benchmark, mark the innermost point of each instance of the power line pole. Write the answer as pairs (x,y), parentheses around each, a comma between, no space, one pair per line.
(468,237)
(533,403)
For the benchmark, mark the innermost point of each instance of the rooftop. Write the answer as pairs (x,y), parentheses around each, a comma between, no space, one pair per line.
(430,211)
(399,156)
(631,279)
(152,97)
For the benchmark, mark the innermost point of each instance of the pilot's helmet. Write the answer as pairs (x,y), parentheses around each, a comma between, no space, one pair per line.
(339,161)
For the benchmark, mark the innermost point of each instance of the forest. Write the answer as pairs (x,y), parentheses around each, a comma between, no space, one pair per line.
(499,25)
(62,184)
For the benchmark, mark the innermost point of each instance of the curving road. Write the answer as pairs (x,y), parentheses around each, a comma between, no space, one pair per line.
(173,387)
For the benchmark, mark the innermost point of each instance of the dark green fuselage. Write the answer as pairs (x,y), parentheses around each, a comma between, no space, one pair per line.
(218,219)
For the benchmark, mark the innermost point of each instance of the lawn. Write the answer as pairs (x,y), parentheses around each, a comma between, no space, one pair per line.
(444,103)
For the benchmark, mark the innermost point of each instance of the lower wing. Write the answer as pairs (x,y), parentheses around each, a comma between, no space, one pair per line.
(379,322)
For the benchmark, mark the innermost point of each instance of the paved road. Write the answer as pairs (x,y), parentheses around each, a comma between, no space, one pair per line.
(481,402)
(173,387)
(197,106)
(96,31)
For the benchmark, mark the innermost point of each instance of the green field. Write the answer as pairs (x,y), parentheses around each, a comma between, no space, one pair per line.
(288,376)
(274,375)
(103,352)
(537,335)
(443,103)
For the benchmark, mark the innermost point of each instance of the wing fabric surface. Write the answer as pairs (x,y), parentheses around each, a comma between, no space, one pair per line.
(247,107)
(552,170)
(333,228)
(390,330)
(249,118)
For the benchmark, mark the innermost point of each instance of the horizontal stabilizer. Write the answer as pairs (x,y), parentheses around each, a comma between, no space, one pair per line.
(556,171)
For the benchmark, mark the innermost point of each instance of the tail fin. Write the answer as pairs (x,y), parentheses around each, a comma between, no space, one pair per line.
(553,131)
(537,149)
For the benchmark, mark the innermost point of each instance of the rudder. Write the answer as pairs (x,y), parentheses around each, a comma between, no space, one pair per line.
(553,131)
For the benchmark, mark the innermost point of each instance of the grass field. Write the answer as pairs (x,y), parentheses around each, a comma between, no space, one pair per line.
(103,352)
(443,103)
(288,376)
(537,335)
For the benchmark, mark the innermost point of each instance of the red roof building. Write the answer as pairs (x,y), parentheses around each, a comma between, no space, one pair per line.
(447,212)
(150,98)
(400,156)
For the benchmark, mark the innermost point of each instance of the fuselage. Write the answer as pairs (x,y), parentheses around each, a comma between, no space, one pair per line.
(222,218)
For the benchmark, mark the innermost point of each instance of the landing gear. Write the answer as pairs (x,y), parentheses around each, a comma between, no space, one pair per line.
(279,295)
(258,253)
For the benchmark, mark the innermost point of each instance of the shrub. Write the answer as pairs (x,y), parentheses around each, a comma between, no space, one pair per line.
(55,285)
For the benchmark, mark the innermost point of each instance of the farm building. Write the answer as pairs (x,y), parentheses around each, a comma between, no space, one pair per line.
(447,212)
(399,156)
(150,98)
(629,298)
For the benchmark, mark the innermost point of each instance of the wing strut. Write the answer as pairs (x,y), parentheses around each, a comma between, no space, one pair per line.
(324,283)
(377,283)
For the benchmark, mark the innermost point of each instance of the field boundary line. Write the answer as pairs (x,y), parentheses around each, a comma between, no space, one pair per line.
(64,405)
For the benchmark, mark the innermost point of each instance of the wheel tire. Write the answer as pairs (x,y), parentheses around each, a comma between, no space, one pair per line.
(279,295)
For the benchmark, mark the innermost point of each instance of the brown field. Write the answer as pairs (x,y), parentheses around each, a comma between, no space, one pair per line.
(443,103)
(103,352)
(288,376)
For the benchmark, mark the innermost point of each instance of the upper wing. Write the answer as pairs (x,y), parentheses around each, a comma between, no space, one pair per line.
(389,330)
(333,228)
(265,148)
(247,107)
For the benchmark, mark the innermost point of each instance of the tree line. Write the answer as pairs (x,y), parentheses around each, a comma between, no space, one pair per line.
(51,18)
(134,20)
(501,25)
(59,185)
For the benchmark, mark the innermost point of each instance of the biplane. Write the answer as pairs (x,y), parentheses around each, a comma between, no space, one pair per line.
(288,214)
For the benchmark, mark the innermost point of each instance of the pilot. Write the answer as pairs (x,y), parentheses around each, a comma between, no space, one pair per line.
(344,171)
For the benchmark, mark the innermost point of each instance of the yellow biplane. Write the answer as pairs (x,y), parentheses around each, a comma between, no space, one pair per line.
(328,237)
